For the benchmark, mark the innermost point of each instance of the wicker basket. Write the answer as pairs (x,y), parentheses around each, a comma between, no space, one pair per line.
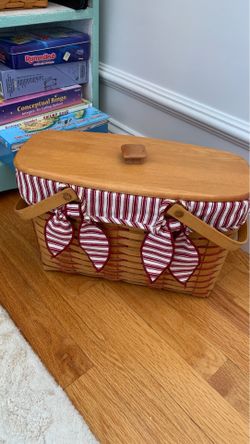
(23,4)
(137,251)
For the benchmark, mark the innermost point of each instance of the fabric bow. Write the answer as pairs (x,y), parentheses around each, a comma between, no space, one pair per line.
(167,247)
(170,248)
(59,234)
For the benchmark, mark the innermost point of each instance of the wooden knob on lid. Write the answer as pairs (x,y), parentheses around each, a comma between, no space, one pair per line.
(134,153)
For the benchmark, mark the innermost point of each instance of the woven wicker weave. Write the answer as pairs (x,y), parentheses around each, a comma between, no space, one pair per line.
(23,4)
(125,261)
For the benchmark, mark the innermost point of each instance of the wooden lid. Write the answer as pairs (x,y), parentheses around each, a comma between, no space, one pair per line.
(171,170)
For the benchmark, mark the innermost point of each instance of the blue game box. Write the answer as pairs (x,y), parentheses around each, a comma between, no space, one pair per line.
(20,82)
(11,139)
(43,47)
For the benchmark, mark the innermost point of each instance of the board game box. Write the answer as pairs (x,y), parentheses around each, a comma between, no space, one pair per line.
(43,47)
(34,104)
(13,138)
(20,82)
(53,114)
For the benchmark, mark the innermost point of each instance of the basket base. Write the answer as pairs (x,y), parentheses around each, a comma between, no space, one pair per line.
(181,291)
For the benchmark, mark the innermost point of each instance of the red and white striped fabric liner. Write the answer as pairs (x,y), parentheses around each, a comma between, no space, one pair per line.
(166,244)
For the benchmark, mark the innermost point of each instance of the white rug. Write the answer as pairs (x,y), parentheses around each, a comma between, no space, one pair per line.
(33,408)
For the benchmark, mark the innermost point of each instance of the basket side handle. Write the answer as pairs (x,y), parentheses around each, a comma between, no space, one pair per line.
(27,212)
(205,230)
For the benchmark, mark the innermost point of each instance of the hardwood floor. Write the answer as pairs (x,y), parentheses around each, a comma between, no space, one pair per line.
(141,365)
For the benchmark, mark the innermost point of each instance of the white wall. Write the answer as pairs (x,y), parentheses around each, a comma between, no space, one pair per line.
(177,69)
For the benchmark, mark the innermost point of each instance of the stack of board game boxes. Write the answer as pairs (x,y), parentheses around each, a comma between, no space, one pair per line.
(42,74)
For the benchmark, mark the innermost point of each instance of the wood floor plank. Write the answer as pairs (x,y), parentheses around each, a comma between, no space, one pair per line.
(233,385)
(218,329)
(100,407)
(235,284)
(135,342)
(223,302)
(142,417)
(176,331)
(59,352)
(132,381)
(22,283)
(209,317)
(239,260)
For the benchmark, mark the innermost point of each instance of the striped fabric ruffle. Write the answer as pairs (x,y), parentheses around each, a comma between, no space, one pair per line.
(166,244)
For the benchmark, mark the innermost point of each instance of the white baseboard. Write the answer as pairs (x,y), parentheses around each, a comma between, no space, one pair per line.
(119,128)
(209,119)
